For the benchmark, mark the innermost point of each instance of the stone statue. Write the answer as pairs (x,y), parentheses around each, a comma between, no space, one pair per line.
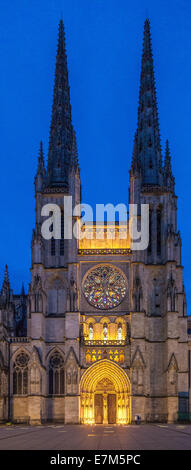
(73,296)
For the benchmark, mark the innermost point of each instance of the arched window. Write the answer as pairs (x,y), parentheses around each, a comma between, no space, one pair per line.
(56,374)
(158,231)
(120,336)
(20,374)
(91,332)
(105,332)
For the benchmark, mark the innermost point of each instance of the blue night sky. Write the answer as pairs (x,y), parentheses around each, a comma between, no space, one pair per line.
(104,45)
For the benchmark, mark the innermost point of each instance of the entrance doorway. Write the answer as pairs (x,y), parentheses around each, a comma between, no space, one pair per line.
(105,394)
(107,415)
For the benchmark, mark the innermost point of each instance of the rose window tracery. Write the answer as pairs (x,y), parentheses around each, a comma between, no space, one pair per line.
(105,287)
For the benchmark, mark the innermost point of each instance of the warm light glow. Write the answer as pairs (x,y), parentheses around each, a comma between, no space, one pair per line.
(116,330)
(106,243)
(116,382)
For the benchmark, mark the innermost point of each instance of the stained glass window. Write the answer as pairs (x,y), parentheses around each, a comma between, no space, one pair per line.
(105,287)
(20,374)
(56,374)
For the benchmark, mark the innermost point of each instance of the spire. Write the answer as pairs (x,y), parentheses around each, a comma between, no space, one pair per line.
(61,131)
(148,136)
(168,176)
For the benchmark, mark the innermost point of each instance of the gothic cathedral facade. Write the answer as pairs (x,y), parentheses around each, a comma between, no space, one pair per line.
(102,334)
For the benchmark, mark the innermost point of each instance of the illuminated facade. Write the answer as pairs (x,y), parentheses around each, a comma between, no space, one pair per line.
(106,330)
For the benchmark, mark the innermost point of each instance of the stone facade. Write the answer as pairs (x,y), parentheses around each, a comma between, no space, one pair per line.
(63,358)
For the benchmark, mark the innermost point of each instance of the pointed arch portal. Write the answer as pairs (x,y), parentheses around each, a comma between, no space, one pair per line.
(105,394)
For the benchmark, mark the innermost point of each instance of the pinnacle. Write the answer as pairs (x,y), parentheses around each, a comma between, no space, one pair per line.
(6,283)
(41,154)
(168,176)
(167,164)
(6,275)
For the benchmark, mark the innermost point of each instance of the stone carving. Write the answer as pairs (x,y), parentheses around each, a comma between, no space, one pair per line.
(73,296)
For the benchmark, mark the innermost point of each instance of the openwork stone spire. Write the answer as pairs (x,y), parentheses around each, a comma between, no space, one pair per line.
(148,153)
(61,131)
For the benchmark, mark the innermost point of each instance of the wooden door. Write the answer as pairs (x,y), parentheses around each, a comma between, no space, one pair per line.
(98,406)
(111,408)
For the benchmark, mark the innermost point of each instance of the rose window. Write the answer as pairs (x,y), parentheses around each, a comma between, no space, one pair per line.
(105,287)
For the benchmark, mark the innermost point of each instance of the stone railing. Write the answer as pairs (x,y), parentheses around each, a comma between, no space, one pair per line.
(19,339)
(100,342)
(104,251)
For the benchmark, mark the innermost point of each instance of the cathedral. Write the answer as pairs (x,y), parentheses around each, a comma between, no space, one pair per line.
(103,333)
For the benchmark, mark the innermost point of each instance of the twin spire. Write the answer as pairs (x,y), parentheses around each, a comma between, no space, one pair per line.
(63,156)
(147,157)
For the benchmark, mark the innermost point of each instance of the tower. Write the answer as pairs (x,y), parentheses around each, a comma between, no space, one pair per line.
(158,268)
(52,300)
